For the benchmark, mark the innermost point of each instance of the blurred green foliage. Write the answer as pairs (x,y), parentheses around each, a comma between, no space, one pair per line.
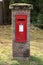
(36,14)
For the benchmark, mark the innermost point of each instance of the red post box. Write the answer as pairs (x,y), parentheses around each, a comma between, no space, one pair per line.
(21,28)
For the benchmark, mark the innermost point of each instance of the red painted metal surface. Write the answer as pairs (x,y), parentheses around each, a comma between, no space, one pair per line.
(21,28)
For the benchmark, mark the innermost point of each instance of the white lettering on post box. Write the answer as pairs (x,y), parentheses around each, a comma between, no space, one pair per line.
(21,28)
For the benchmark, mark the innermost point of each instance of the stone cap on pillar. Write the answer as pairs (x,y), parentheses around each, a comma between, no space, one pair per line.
(17,6)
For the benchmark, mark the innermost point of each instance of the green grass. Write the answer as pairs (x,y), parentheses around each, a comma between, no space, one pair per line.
(36,47)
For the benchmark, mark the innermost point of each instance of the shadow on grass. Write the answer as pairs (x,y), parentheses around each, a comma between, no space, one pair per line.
(35,61)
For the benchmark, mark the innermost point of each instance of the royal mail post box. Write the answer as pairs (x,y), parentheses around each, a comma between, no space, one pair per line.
(21,28)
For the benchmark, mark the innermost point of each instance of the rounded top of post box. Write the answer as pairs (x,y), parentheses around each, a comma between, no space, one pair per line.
(13,6)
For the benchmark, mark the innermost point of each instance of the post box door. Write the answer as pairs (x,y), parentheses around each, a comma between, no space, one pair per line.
(21,28)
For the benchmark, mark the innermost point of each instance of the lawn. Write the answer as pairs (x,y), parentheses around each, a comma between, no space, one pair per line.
(36,46)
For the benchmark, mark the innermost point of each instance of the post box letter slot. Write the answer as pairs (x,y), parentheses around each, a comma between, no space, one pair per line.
(21,19)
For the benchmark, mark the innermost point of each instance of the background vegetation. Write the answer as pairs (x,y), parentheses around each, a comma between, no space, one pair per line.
(37,12)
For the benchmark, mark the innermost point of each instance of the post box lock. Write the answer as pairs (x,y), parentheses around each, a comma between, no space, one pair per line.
(21,28)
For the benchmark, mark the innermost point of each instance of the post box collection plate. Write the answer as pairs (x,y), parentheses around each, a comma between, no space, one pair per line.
(21,28)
